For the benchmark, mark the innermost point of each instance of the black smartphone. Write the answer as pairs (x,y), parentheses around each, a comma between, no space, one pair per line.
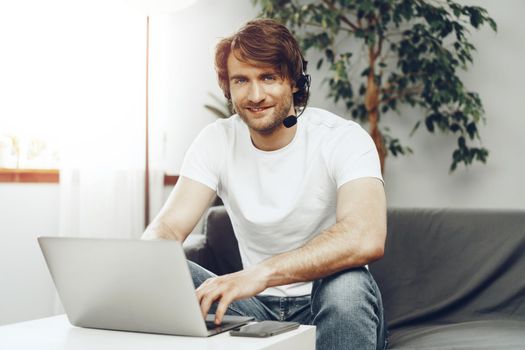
(264,329)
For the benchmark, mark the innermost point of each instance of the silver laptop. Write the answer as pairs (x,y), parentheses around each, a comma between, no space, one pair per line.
(129,285)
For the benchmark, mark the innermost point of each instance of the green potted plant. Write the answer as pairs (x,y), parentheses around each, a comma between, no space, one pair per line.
(413,51)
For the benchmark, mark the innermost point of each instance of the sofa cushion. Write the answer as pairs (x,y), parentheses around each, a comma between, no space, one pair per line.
(454,265)
(486,334)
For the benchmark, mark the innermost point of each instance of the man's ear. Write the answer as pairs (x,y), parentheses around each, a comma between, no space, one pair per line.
(294,88)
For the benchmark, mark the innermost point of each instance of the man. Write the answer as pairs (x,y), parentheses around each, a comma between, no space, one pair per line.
(306,202)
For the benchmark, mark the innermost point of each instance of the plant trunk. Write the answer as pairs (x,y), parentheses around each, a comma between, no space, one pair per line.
(372,108)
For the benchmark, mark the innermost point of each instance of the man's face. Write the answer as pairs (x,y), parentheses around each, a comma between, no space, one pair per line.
(259,95)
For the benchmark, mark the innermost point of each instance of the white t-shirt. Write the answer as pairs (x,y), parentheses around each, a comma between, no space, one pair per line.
(280,200)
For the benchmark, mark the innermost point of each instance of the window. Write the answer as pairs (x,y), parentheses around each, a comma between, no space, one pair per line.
(27,152)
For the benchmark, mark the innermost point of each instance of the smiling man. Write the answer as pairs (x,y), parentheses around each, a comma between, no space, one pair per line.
(305,196)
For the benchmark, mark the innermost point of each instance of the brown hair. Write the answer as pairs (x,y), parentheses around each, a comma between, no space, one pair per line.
(268,42)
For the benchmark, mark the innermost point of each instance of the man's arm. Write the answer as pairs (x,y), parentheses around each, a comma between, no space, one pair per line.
(357,239)
(181,212)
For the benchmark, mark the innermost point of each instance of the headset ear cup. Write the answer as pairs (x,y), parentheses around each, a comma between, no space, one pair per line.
(300,82)
(303,82)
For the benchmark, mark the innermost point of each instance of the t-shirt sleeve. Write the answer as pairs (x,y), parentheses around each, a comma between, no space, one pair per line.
(354,155)
(202,159)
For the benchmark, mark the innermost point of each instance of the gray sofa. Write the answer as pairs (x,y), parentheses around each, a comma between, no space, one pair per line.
(450,279)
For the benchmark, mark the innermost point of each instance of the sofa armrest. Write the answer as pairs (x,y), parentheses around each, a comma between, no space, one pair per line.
(216,249)
(197,250)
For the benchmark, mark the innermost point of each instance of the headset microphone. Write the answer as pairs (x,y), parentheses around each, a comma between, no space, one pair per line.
(290,121)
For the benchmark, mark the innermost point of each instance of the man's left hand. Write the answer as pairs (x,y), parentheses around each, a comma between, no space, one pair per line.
(228,288)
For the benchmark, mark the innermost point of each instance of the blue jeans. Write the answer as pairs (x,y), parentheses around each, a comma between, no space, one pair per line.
(345,307)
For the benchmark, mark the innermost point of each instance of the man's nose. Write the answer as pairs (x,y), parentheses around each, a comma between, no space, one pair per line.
(256,93)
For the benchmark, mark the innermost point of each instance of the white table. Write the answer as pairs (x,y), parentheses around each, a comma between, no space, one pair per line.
(56,333)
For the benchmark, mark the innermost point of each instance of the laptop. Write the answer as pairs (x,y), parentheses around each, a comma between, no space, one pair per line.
(128,285)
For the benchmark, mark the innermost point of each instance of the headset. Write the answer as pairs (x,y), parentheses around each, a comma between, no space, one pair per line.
(303,82)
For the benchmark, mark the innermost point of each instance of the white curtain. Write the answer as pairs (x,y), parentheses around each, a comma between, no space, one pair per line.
(102,148)
(107,203)
(103,131)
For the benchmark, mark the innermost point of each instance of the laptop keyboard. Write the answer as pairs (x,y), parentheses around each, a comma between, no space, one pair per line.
(210,325)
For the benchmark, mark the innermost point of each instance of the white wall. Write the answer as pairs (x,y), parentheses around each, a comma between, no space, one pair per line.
(182,72)
(27,211)
(497,75)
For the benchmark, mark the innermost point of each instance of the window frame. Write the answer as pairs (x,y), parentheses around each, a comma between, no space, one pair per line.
(11,175)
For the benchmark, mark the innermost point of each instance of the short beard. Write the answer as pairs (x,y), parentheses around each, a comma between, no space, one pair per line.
(276,122)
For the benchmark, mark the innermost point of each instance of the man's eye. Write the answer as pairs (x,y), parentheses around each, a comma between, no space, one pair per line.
(239,80)
(269,78)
